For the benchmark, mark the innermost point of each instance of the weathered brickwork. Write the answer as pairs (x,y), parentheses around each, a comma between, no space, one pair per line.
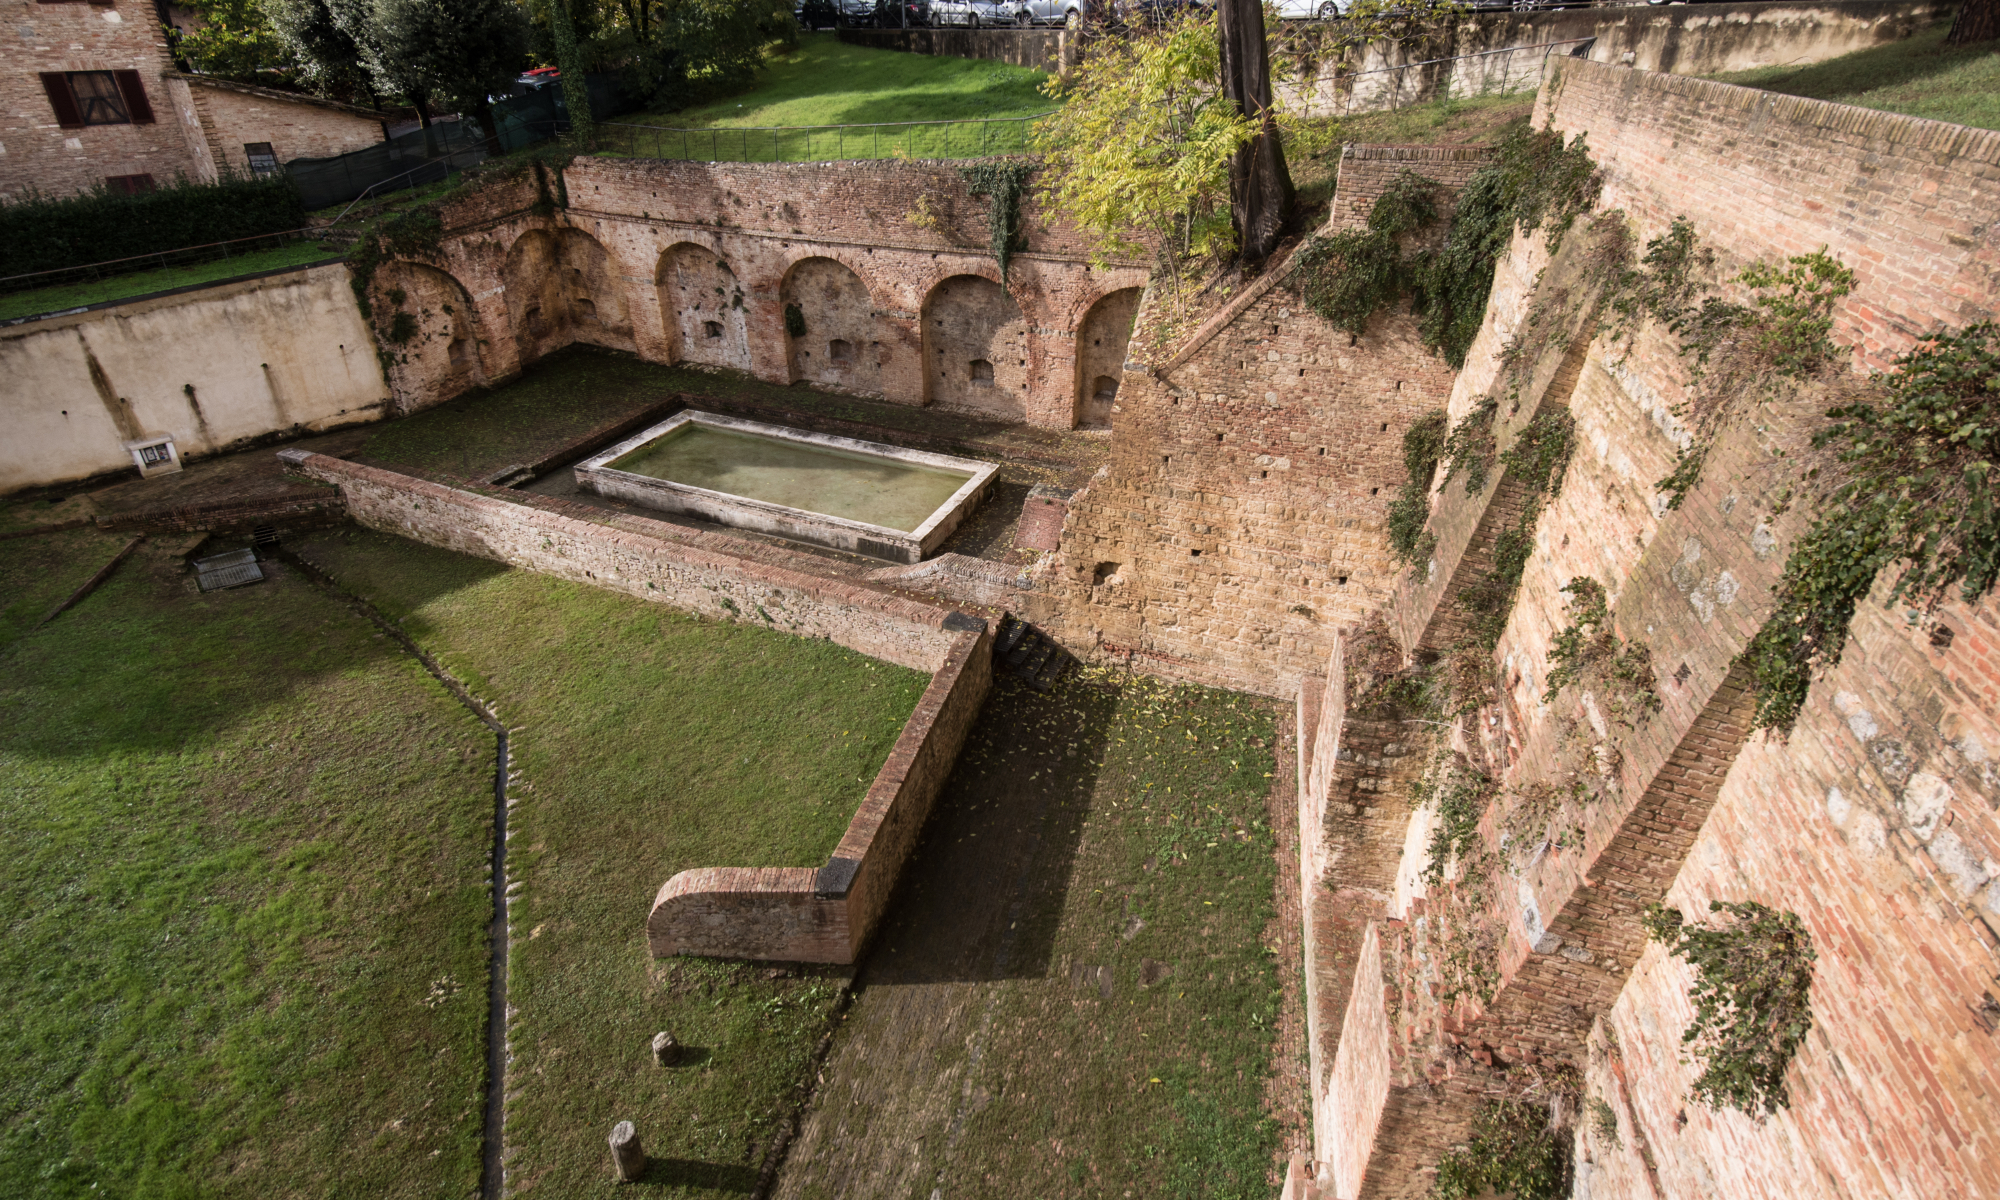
(1241,522)
(1874,821)
(43,157)
(703,572)
(234,115)
(800,914)
(697,262)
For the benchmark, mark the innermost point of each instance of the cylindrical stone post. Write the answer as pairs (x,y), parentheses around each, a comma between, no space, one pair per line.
(666,1051)
(628,1157)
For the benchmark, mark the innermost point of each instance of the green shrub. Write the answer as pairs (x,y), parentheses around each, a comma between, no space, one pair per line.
(45,234)
(1513,1151)
(1752,999)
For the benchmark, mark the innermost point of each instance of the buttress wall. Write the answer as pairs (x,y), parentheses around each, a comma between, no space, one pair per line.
(1874,821)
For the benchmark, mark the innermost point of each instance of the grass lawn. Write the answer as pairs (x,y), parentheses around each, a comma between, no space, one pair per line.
(140,283)
(1073,997)
(554,403)
(1920,77)
(244,898)
(826,82)
(42,571)
(649,742)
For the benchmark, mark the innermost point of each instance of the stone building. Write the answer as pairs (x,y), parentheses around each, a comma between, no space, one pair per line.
(90,96)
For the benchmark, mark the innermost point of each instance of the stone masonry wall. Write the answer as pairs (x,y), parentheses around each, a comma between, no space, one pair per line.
(1874,821)
(708,573)
(907,234)
(1241,522)
(43,157)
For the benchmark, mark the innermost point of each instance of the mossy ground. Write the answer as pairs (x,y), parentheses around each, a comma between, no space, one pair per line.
(1072,997)
(244,893)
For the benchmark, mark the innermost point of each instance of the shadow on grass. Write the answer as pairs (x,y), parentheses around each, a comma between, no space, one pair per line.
(983,896)
(689,1173)
(1915,60)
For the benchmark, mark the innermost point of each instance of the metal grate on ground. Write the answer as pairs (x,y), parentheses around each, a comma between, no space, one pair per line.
(233,569)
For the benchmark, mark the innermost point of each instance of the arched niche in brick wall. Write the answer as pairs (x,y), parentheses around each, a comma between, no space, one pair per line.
(563,287)
(438,351)
(701,303)
(1101,339)
(975,349)
(842,347)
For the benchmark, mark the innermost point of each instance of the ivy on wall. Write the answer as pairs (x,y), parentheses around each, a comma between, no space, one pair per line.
(1535,181)
(1002,181)
(1916,471)
(1423,446)
(1752,999)
(1587,653)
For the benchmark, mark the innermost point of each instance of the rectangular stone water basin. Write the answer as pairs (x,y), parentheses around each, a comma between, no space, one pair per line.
(878,500)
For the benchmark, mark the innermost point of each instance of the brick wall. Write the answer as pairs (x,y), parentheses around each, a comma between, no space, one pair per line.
(1241,522)
(42,157)
(233,114)
(827,915)
(879,255)
(1851,823)
(708,573)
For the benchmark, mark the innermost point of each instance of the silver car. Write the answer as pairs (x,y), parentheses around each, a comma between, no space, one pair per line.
(1046,12)
(970,14)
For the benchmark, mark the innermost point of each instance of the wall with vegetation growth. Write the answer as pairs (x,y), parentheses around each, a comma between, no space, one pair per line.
(1601,758)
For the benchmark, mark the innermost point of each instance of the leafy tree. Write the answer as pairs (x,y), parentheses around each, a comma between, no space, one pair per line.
(233,40)
(320,36)
(1140,154)
(455,51)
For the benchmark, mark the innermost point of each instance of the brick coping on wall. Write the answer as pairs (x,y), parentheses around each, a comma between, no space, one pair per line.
(803,914)
(1942,138)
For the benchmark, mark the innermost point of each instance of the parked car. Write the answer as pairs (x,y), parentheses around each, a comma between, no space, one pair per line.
(970,14)
(1047,12)
(902,14)
(1312,10)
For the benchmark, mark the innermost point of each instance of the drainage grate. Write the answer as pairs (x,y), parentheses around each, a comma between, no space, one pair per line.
(233,569)
(265,535)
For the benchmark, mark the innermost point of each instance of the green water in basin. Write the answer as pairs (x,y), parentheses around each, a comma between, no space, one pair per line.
(839,483)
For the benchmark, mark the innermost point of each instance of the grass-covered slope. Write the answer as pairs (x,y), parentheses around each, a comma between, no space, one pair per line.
(1919,77)
(243,895)
(826,82)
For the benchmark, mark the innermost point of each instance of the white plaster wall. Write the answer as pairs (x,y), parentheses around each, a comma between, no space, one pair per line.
(288,352)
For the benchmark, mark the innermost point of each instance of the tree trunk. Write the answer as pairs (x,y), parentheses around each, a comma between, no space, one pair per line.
(1977,21)
(569,62)
(488,126)
(1260,186)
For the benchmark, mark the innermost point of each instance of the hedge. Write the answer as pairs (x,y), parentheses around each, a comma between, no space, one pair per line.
(43,234)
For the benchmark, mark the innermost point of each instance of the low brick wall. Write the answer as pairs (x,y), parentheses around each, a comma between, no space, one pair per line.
(707,573)
(798,914)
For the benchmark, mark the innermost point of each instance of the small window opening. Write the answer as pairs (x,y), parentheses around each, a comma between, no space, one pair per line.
(1341,580)
(1218,437)
(1106,572)
(1106,388)
(712,328)
(981,372)
(461,352)
(263,159)
(1194,554)
(839,351)
(584,310)
(1385,427)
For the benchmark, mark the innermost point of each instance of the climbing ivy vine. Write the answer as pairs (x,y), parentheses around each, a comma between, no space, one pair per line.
(1535,181)
(1002,181)
(1915,473)
(1423,445)
(1752,999)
